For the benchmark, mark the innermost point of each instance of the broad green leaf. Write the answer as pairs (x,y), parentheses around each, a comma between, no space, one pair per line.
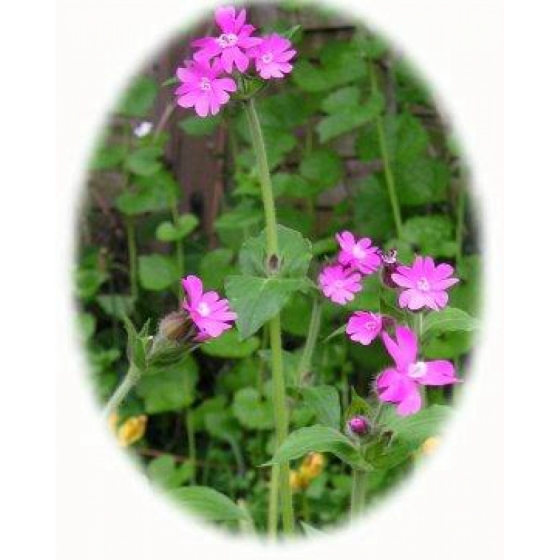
(296,315)
(417,428)
(88,282)
(108,157)
(290,184)
(208,503)
(252,410)
(169,231)
(148,194)
(169,388)
(157,272)
(138,98)
(118,306)
(323,168)
(215,266)
(86,324)
(228,345)
(144,161)
(209,406)
(197,126)
(370,45)
(294,252)
(448,345)
(166,473)
(241,217)
(256,300)
(430,234)
(324,401)
(448,319)
(372,199)
(220,424)
(320,439)
(421,180)
(344,97)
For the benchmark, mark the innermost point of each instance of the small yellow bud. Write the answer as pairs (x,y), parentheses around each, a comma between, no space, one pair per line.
(295,481)
(430,446)
(312,466)
(132,430)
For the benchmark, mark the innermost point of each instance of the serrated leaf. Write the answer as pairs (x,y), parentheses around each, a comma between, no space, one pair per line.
(319,439)
(169,231)
(228,345)
(324,401)
(157,272)
(208,503)
(447,320)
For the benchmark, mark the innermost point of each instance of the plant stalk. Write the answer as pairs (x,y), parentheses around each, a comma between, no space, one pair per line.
(191,441)
(279,484)
(359,488)
(127,384)
(310,343)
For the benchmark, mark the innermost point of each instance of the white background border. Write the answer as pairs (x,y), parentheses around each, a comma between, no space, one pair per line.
(452,509)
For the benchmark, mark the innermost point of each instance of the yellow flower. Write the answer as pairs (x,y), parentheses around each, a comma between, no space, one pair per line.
(430,446)
(296,481)
(312,466)
(132,430)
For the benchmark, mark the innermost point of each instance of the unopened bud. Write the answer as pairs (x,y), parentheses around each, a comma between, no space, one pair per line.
(390,264)
(177,326)
(273,264)
(132,430)
(359,426)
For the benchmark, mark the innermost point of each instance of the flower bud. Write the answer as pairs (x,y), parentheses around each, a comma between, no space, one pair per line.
(312,465)
(177,326)
(297,481)
(359,426)
(132,430)
(390,264)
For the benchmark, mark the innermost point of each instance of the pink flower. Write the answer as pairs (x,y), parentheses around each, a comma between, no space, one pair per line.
(339,284)
(399,385)
(203,88)
(272,56)
(232,43)
(424,283)
(364,326)
(359,254)
(208,312)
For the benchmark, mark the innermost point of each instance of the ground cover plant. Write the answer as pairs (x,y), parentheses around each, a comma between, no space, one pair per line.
(279,366)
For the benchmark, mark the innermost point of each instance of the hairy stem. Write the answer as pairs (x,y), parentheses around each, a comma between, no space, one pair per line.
(312,334)
(191,442)
(127,384)
(359,488)
(280,484)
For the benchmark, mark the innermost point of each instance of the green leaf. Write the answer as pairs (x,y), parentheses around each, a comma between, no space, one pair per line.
(208,503)
(108,157)
(88,282)
(139,98)
(196,126)
(157,272)
(417,428)
(320,439)
(372,199)
(168,231)
(166,473)
(118,306)
(422,180)
(169,387)
(290,184)
(324,401)
(144,161)
(323,168)
(252,411)
(448,319)
(228,345)
(86,324)
(294,252)
(448,345)
(358,407)
(220,424)
(215,266)
(431,234)
(334,102)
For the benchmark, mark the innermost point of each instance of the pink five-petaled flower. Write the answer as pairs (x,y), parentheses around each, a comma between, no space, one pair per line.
(358,253)
(208,312)
(364,326)
(232,43)
(424,284)
(272,56)
(339,284)
(399,385)
(203,88)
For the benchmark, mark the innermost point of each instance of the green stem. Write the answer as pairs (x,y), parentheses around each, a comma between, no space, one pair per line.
(191,441)
(312,334)
(273,502)
(178,249)
(281,482)
(129,381)
(132,257)
(460,224)
(389,177)
(359,488)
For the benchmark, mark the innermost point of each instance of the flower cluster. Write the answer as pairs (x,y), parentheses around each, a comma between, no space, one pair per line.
(206,80)
(422,285)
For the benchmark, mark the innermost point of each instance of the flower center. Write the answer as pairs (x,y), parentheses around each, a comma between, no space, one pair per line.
(358,252)
(338,284)
(371,325)
(417,370)
(204,84)
(423,285)
(227,40)
(204,309)
(267,58)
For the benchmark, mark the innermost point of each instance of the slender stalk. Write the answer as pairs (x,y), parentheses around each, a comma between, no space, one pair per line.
(389,177)
(191,442)
(273,502)
(309,348)
(132,257)
(359,488)
(129,381)
(178,248)
(459,228)
(280,483)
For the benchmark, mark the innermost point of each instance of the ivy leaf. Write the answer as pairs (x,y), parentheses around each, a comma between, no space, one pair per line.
(139,98)
(320,439)
(323,168)
(324,401)
(196,126)
(168,231)
(144,161)
(209,504)
(256,299)
(252,410)
(157,272)
(228,345)
(447,320)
